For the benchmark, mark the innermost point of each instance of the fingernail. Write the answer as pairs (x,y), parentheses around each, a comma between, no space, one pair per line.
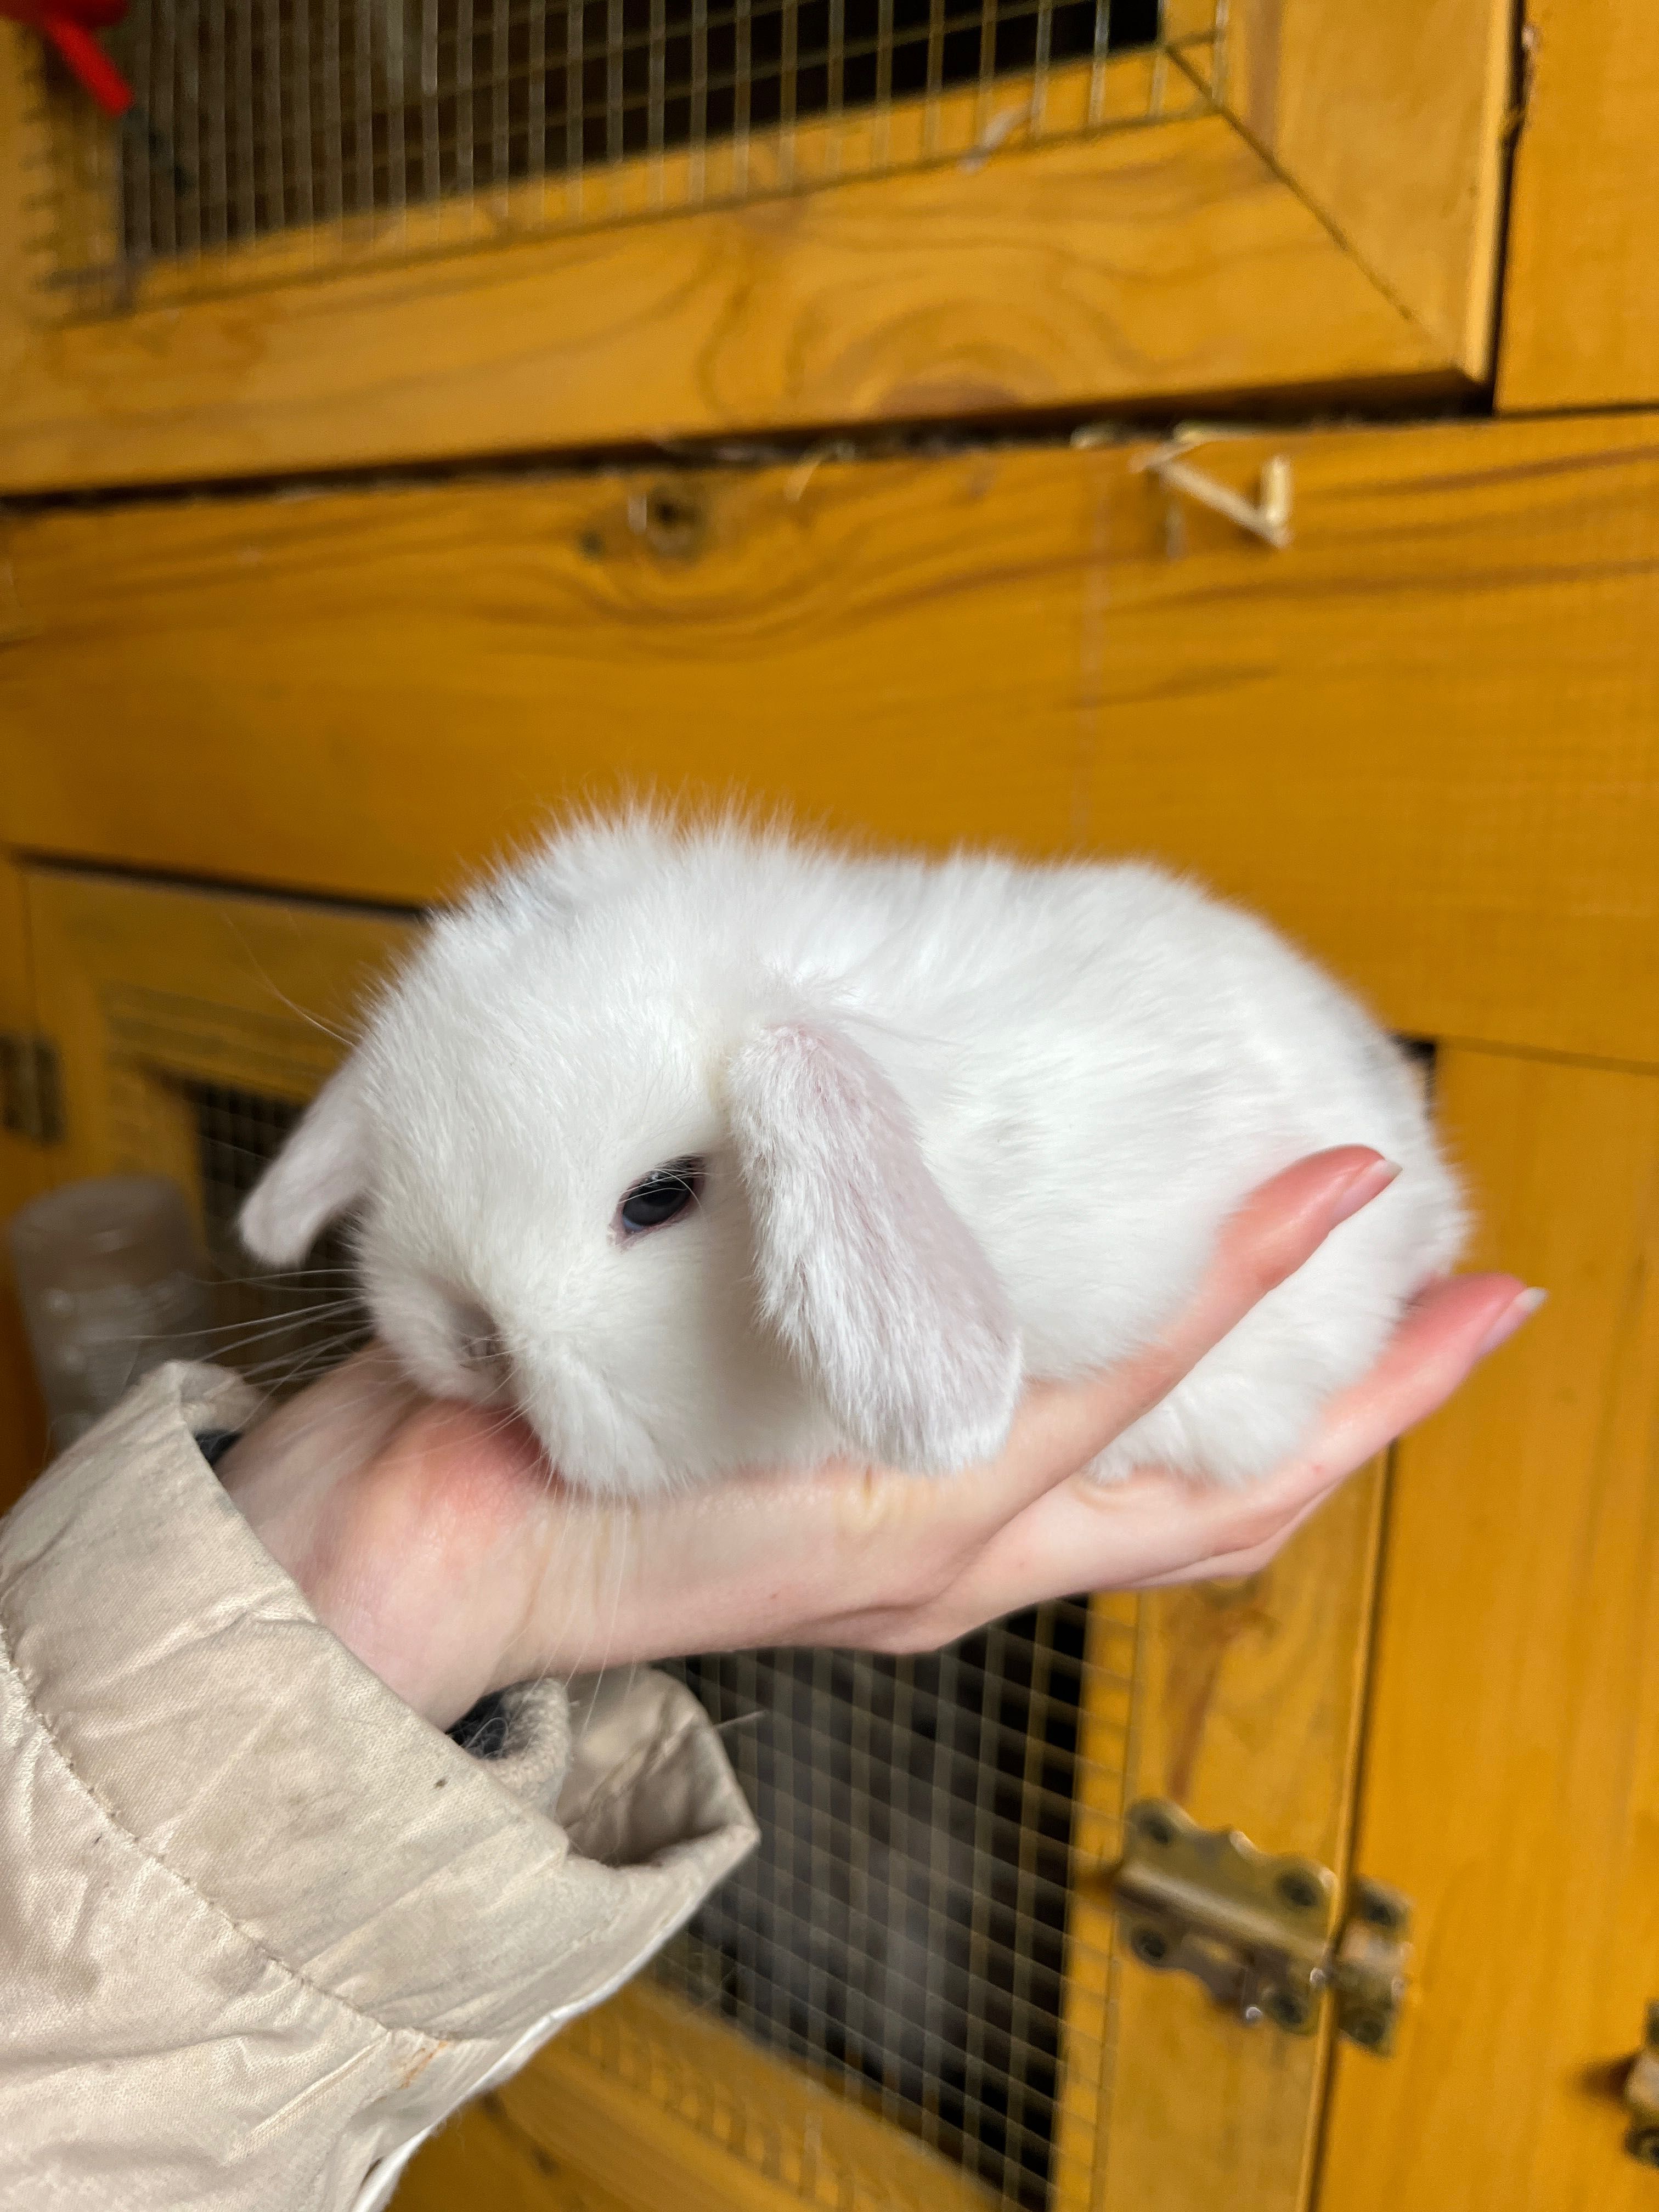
(1518,1310)
(1367,1184)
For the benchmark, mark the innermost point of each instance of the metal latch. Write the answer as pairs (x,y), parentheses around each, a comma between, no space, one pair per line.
(31,1088)
(1642,2096)
(1265,1935)
(1267,517)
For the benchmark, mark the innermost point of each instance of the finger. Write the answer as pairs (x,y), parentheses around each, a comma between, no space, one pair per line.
(1061,1427)
(1154,1529)
(1444,1336)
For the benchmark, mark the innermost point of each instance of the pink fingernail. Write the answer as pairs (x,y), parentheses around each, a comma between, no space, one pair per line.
(1368,1183)
(1520,1310)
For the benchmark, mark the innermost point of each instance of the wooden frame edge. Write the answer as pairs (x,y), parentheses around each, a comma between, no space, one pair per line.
(643,2143)
(1170,260)
(1330,93)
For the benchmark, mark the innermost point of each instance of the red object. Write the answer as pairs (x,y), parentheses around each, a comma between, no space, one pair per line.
(70,24)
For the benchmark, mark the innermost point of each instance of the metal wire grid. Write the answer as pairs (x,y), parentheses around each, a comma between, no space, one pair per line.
(280,1330)
(256,118)
(903,1926)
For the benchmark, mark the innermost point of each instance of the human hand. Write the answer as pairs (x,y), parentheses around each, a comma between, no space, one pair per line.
(434,1542)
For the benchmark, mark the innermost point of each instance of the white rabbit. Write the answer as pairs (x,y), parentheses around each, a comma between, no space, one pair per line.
(711,1147)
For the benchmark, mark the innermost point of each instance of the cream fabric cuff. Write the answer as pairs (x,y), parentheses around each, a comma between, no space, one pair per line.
(170,1689)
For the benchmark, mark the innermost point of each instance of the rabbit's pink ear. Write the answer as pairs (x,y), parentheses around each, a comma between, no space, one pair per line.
(872,1279)
(319,1173)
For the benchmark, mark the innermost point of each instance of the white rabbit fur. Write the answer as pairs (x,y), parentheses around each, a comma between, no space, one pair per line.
(965,1121)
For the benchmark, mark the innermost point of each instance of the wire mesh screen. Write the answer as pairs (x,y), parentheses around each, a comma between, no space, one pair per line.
(279,1330)
(256,118)
(214,1137)
(904,1923)
(904,1928)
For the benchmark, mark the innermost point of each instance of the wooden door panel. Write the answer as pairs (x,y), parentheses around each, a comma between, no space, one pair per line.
(1423,740)
(1095,234)
(1391,122)
(160,984)
(1512,1763)
(1249,1715)
(1581,288)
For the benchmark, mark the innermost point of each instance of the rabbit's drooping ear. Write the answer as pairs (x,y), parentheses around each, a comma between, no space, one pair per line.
(874,1282)
(317,1175)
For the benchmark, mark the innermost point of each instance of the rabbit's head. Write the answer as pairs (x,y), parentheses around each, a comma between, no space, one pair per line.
(652,1191)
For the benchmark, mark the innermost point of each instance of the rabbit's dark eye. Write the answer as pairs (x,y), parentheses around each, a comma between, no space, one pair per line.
(658,1197)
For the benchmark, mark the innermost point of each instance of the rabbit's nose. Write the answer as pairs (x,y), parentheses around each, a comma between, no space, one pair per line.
(482,1347)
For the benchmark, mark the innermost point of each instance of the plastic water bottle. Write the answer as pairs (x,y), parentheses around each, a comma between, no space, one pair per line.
(112,1283)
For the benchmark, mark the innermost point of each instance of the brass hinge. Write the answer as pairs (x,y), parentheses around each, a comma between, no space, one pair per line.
(1267,1935)
(31,1088)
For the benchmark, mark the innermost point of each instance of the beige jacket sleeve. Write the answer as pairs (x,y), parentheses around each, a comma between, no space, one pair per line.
(262,1927)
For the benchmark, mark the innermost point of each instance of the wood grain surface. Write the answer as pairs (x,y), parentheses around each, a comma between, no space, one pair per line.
(1424,739)
(1391,122)
(1170,260)
(484,2161)
(1512,1783)
(671,2108)
(1249,1700)
(1581,292)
